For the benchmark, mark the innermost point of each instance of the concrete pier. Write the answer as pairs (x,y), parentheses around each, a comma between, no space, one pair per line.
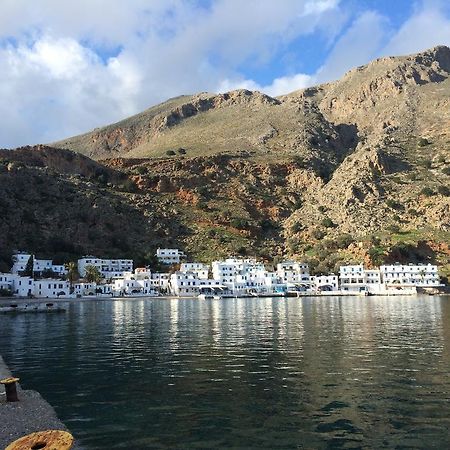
(31,413)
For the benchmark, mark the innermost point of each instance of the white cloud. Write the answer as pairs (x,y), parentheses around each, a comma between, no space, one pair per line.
(360,43)
(279,86)
(428,28)
(57,79)
(66,67)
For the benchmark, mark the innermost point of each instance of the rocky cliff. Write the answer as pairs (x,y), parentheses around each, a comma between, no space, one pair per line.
(357,169)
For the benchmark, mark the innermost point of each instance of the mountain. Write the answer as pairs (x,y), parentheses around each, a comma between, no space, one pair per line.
(356,169)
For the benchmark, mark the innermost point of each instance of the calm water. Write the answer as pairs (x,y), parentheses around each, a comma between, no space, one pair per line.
(242,373)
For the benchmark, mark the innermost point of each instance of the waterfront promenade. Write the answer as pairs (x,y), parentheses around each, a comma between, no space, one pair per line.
(31,413)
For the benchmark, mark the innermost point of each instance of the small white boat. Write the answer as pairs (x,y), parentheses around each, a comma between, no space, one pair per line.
(209,297)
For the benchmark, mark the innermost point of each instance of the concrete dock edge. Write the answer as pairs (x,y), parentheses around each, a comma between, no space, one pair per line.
(32,413)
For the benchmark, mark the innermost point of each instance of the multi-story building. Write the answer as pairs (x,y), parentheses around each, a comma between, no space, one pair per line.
(418,275)
(293,272)
(202,270)
(39,265)
(108,268)
(51,288)
(169,256)
(7,281)
(352,278)
(188,284)
(226,271)
(324,282)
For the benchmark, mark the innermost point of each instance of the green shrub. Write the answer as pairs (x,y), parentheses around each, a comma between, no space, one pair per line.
(182,151)
(322,209)
(296,227)
(239,223)
(422,142)
(300,162)
(328,223)
(343,241)
(427,192)
(170,153)
(446,170)
(267,224)
(318,234)
(444,190)
(393,204)
(5,293)
(242,251)
(142,170)
(376,255)
(394,228)
(129,186)
(426,163)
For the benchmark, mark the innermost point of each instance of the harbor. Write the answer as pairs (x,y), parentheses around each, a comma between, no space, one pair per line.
(148,373)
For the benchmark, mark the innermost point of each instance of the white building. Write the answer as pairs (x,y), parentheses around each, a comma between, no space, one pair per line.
(226,271)
(352,278)
(23,286)
(188,284)
(246,276)
(202,270)
(293,272)
(169,255)
(418,275)
(325,282)
(389,279)
(7,281)
(159,281)
(51,288)
(85,289)
(108,268)
(39,265)
(137,283)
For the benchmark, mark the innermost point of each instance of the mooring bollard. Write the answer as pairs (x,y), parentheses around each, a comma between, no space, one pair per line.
(10,389)
(50,439)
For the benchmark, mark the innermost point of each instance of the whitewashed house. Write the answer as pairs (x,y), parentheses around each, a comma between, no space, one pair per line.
(202,270)
(7,281)
(51,288)
(39,265)
(324,282)
(169,256)
(418,275)
(137,283)
(188,284)
(108,268)
(352,278)
(226,271)
(293,272)
(85,289)
(160,281)
(23,286)
(247,276)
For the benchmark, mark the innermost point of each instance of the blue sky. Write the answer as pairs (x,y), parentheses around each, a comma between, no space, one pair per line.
(67,67)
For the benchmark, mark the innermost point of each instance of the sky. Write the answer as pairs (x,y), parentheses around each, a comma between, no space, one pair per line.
(67,67)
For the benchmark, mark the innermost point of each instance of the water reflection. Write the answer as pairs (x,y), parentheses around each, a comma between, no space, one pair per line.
(249,373)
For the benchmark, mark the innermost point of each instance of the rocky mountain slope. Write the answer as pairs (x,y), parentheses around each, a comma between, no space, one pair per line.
(357,169)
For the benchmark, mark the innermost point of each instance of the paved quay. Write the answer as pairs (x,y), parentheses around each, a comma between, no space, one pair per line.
(31,413)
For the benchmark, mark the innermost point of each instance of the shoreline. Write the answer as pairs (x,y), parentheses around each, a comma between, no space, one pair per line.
(22,300)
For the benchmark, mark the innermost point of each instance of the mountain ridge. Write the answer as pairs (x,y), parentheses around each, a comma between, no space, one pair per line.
(353,170)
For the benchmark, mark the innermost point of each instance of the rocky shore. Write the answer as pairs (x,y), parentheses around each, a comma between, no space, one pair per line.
(32,413)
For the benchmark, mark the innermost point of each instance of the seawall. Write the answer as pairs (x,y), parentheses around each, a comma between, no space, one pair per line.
(31,413)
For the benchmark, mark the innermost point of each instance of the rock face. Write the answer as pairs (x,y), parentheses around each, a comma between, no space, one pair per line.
(347,170)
